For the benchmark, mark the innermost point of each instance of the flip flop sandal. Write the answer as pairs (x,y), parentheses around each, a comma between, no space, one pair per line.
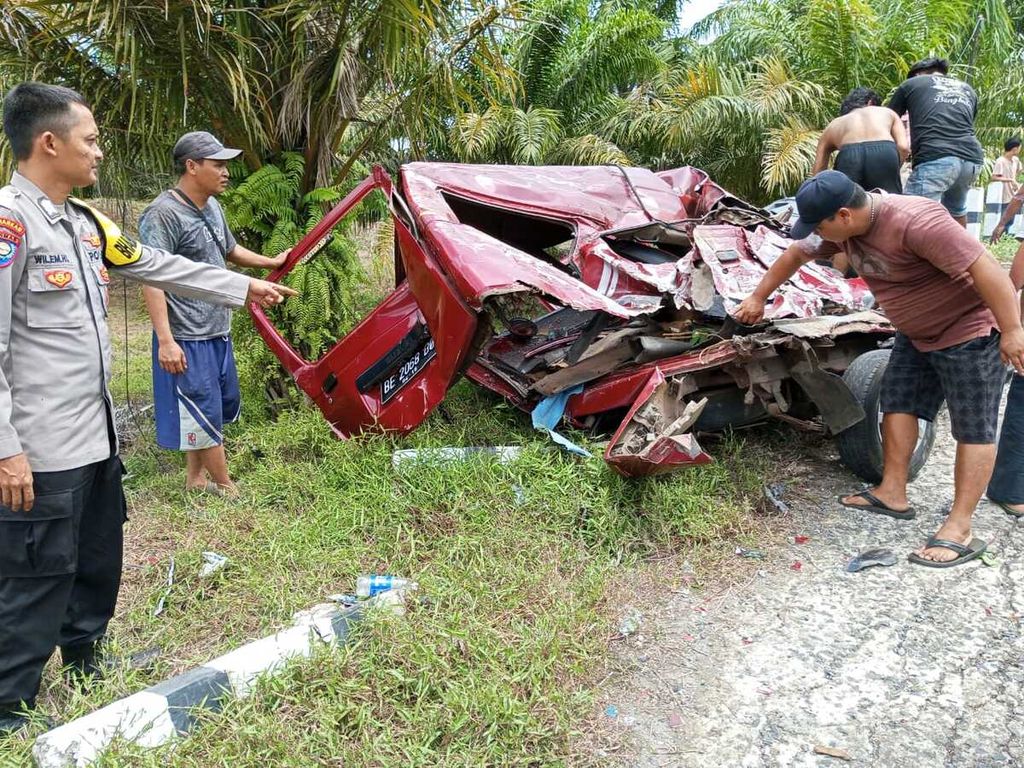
(868,558)
(877,506)
(964,553)
(1008,509)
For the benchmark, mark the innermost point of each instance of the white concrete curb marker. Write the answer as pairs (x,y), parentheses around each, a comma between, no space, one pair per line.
(159,713)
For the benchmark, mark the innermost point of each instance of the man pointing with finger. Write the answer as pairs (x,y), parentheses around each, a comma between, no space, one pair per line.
(949,299)
(61,502)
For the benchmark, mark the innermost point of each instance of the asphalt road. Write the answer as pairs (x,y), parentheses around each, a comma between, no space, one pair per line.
(895,667)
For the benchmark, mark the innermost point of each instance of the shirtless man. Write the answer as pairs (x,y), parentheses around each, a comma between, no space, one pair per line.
(871,140)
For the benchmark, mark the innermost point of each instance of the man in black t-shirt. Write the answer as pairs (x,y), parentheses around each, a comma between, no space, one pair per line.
(946,155)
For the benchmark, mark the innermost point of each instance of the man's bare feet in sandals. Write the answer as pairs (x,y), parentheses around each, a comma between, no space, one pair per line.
(880,501)
(954,530)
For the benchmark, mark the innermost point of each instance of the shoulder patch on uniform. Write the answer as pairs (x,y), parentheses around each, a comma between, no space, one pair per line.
(14,226)
(11,233)
(7,252)
(119,250)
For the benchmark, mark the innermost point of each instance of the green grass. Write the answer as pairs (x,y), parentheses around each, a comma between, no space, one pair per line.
(514,563)
(518,565)
(138,333)
(1004,250)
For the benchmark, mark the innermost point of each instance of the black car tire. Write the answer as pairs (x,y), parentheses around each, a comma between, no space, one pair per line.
(860,446)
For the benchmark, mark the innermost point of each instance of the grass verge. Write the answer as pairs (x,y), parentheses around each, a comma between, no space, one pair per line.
(491,668)
(1004,250)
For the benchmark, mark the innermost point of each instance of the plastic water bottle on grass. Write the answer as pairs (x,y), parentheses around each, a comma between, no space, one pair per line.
(368,586)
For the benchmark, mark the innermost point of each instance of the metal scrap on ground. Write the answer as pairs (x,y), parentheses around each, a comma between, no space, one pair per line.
(872,557)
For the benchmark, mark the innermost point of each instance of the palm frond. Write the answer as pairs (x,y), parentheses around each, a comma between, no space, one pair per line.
(588,150)
(533,132)
(789,155)
(476,136)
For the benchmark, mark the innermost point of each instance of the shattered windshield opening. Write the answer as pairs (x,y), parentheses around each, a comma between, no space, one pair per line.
(542,238)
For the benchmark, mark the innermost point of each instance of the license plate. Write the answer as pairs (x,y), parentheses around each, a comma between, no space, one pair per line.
(407,369)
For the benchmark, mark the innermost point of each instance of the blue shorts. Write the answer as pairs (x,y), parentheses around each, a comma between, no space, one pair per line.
(946,179)
(192,408)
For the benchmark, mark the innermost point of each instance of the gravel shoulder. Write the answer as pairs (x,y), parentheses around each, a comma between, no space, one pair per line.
(899,666)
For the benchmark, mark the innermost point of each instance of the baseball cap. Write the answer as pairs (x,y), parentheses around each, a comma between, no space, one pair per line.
(200,145)
(819,198)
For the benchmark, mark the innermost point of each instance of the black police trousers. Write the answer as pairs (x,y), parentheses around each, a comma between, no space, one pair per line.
(60,570)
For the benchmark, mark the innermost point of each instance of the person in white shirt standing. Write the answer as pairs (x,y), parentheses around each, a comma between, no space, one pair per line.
(1006,169)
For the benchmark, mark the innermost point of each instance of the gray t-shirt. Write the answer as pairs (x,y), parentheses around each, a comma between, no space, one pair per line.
(175,226)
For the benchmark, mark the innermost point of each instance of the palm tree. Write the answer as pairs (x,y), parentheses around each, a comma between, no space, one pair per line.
(741,125)
(749,105)
(570,55)
(328,78)
(744,94)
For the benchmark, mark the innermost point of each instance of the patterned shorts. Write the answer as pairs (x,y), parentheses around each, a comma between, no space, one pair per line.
(968,376)
(191,408)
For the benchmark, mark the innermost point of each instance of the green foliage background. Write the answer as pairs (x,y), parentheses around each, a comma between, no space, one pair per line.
(743,94)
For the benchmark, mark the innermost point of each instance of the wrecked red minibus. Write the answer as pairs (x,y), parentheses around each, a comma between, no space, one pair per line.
(607,287)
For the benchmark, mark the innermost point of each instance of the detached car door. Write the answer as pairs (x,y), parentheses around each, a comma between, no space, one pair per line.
(391,370)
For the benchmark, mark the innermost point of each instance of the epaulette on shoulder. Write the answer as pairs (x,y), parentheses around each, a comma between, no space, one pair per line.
(119,250)
(9,195)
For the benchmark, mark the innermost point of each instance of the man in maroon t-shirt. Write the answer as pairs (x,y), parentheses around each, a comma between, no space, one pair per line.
(948,299)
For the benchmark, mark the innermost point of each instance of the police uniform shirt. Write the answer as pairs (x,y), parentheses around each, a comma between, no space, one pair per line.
(55,403)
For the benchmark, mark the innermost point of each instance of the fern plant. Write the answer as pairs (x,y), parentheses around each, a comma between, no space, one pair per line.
(268,212)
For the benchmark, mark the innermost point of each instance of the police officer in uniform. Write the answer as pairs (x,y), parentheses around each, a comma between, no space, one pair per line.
(61,501)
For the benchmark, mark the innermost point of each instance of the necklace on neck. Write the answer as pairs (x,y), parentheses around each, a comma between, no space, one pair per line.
(871,216)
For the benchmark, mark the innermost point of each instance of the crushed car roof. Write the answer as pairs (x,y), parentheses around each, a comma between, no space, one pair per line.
(603,207)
